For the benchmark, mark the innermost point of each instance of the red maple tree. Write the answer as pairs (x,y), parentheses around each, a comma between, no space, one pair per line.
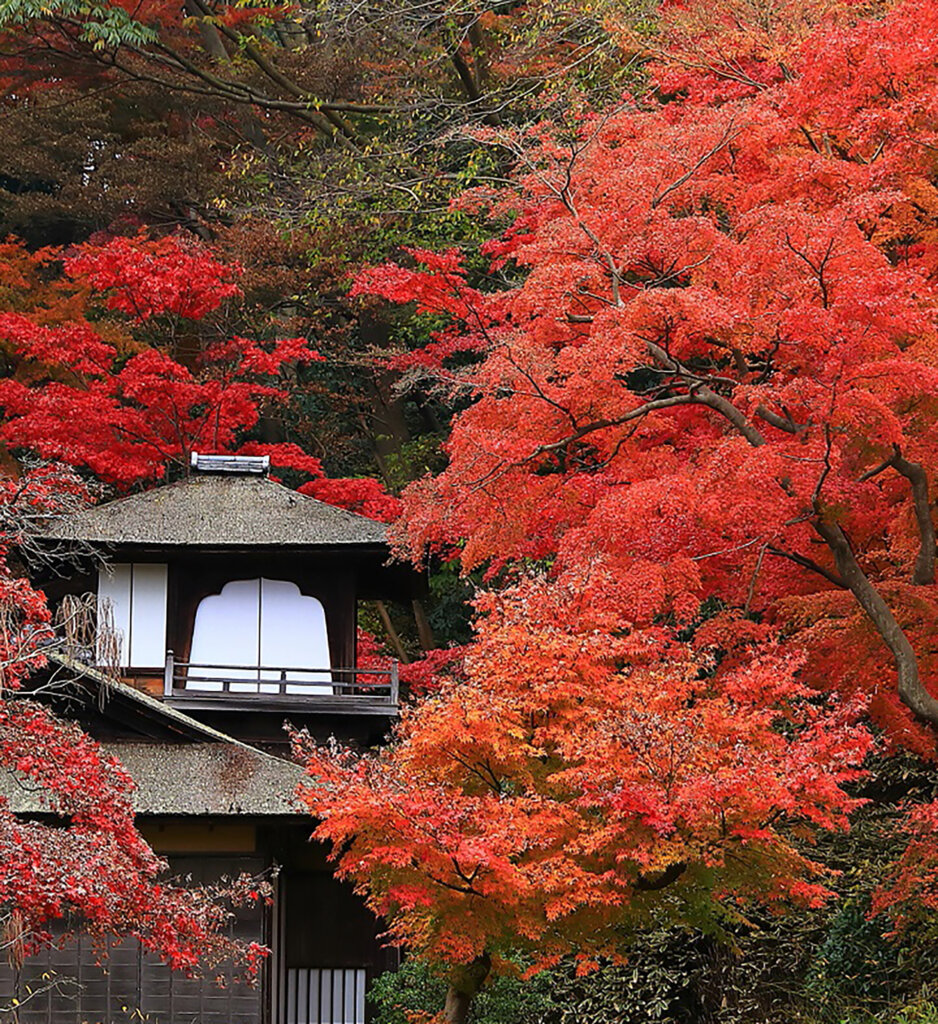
(119,371)
(701,444)
(544,801)
(719,371)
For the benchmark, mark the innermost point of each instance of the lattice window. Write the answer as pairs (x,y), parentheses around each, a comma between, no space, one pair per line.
(325,995)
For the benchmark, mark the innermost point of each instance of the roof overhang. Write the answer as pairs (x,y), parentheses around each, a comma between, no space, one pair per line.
(199,771)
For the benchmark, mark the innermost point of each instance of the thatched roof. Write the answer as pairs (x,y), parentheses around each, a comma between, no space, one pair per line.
(209,778)
(189,779)
(218,510)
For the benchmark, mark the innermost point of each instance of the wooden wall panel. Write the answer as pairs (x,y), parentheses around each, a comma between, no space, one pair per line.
(130,987)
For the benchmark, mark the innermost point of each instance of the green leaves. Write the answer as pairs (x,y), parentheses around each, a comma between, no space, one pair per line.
(103,25)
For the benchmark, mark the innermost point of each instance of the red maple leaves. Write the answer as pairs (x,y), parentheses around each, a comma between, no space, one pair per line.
(161,277)
(127,397)
(91,861)
(719,343)
(88,860)
(90,399)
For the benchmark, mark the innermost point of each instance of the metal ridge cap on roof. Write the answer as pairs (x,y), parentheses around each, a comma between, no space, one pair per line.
(256,465)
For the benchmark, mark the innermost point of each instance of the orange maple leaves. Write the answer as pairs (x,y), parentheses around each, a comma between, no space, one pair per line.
(578,768)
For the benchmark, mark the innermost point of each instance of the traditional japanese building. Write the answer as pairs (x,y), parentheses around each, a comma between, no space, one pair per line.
(227,605)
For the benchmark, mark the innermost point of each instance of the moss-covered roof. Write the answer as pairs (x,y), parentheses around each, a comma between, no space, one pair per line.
(188,779)
(211,774)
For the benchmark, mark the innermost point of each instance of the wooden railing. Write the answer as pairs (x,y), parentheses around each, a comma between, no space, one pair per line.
(188,679)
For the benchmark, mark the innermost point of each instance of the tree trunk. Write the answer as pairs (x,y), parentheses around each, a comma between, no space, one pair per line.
(212,42)
(392,633)
(424,629)
(464,983)
(457,1006)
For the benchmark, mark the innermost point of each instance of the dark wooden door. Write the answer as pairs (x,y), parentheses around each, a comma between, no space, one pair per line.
(331,951)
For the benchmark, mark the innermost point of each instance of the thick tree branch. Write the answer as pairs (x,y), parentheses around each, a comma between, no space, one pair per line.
(914,472)
(464,982)
(392,633)
(618,421)
(466,77)
(208,32)
(479,52)
(785,423)
(231,91)
(276,76)
(808,563)
(323,115)
(661,879)
(726,408)
(911,691)
(703,394)
(589,428)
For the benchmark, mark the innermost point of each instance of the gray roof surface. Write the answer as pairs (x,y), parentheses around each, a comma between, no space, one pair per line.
(209,778)
(217,775)
(190,779)
(218,510)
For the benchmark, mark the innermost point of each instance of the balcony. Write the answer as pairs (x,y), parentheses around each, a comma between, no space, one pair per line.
(345,691)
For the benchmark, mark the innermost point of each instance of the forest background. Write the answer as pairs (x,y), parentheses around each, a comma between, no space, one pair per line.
(626,312)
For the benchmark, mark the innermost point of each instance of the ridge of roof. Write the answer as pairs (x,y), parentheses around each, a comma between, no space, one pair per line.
(218,510)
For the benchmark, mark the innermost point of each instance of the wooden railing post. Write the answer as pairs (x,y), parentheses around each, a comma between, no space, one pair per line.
(395,682)
(168,673)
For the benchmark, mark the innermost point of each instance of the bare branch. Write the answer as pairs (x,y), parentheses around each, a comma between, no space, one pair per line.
(785,423)
(808,563)
(914,472)
(754,579)
(729,134)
